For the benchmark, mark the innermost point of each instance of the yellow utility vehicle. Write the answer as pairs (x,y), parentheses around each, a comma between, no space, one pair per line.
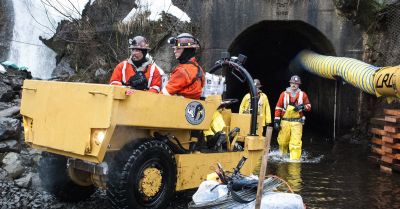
(141,147)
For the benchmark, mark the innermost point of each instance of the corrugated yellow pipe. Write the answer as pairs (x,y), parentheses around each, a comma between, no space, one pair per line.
(371,79)
(387,82)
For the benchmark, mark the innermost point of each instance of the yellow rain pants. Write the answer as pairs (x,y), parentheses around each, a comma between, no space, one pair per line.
(290,134)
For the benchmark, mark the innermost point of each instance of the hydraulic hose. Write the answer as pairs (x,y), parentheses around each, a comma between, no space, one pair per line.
(253,91)
(379,81)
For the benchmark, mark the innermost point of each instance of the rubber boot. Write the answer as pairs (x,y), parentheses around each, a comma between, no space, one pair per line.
(283,149)
(295,154)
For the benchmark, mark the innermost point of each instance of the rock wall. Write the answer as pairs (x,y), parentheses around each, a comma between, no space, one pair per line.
(89,48)
(6,23)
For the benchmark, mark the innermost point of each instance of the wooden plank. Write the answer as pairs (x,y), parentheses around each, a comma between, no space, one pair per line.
(387,150)
(395,156)
(378,131)
(396,136)
(377,141)
(392,119)
(386,169)
(392,128)
(263,168)
(388,139)
(383,163)
(395,146)
(395,112)
(387,159)
(377,150)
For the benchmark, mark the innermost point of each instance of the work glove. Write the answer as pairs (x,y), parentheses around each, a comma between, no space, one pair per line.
(138,81)
(297,108)
(277,124)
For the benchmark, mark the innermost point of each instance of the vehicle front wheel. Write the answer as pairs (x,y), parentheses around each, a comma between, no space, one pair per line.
(143,176)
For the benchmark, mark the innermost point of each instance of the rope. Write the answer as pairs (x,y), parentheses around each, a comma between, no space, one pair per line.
(287,184)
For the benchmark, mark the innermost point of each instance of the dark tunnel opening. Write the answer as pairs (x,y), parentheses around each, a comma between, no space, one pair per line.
(270,47)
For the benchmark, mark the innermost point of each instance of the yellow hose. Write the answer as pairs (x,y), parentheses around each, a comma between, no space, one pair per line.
(371,79)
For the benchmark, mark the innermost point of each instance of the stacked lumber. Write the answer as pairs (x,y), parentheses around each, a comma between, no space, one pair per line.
(386,141)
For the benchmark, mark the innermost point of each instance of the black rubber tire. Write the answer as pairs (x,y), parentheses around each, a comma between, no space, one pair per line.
(55,179)
(127,168)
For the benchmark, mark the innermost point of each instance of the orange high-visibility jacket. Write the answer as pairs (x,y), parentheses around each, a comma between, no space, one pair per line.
(185,80)
(286,98)
(124,70)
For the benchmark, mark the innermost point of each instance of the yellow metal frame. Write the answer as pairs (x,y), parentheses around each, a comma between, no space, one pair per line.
(193,168)
(59,117)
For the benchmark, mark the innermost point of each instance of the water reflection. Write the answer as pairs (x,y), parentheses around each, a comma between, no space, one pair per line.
(337,176)
(292,174)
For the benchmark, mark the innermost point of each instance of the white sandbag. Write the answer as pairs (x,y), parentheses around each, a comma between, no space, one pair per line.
(204,193)
(278,200)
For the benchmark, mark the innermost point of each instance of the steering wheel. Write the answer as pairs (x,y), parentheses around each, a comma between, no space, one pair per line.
(227,102)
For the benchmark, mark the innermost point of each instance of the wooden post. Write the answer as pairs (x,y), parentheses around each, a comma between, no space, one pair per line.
(263,168)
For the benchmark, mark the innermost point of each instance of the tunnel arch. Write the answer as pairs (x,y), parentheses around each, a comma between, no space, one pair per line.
(270,47)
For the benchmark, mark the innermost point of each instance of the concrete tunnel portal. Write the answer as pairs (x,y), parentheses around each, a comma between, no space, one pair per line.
(270,47)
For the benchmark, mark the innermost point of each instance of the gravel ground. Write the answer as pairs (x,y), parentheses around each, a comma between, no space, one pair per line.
(12,196)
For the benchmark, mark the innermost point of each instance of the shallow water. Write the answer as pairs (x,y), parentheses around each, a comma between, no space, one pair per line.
(336,175)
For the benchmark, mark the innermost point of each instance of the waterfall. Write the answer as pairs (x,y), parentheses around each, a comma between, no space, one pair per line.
(31,20)
(34,18)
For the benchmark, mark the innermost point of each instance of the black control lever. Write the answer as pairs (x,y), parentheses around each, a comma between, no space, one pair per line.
(239,165)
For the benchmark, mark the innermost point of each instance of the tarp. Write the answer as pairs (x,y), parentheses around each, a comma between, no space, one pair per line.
(13,66)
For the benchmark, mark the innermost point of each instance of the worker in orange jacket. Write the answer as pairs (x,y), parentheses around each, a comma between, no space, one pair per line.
(187,78)
(289,118)
(139,71)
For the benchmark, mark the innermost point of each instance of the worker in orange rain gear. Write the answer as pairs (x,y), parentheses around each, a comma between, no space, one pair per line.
(139,71)
(263,104)
(187,78)
(289,118)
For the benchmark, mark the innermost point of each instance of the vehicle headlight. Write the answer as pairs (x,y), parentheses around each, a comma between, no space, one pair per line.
(28,124)
(98,135)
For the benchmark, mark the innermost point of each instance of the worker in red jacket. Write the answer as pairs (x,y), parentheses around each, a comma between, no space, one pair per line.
(289,118)
(139,71)
(187,78)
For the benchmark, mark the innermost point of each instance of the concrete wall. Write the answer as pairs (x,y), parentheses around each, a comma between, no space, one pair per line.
(227,24)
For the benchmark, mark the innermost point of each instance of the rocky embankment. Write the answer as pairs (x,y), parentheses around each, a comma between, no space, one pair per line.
(19,179)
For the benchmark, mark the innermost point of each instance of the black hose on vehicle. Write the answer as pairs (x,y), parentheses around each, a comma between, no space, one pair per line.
(176,148)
